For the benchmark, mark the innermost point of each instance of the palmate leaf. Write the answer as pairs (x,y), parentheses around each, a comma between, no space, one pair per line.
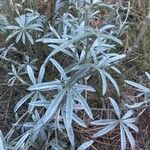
(50,110)
(61,48)
(125,123)
(24,27)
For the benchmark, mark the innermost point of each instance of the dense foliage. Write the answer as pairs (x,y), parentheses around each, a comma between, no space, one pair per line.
(59,57)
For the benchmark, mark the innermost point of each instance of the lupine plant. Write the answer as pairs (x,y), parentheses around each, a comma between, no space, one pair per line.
(53,104)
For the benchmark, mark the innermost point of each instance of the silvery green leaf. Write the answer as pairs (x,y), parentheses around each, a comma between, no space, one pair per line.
(115,69)
(70,133)
(21,20)
(129,120)
(41,97)
(78,67)
(84,87)
(132,126)
(12,35)
(104,122)
(11,27)
(130,137)
(31,74)
(29,37)
(54,31)
(93,53)
(29,20)
(79,121)
(41,74)
(128,114)
(58,4)
(50,110)
(104,82)
(112,81)
(64,45)
(84,104)
(28,124)
(104,130)
(23,100)
(123,138)
(136,105)
(23,38)
(148,75)
(115,58)
(33,99)
(82,55)
(46,86)
(50,40)
(101,4)
(36,27)
(53,46)
(139,86)
(59,68)
(40,103)
(106,27)
(13,69)
(110,37)
(85,145)
(69,109)
(21,141)
(1,141)
(18,37)
(116,108)
(22,81)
